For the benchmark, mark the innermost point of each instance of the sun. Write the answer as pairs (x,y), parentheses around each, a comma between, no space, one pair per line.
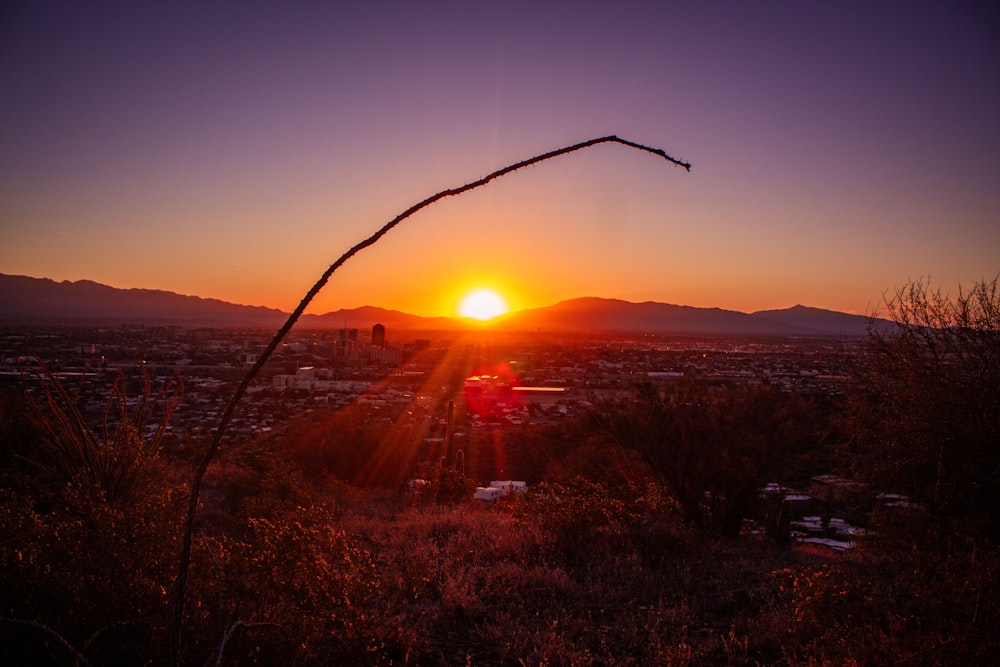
(482,304)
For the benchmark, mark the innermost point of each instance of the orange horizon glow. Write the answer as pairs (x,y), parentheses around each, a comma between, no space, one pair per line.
(195,155)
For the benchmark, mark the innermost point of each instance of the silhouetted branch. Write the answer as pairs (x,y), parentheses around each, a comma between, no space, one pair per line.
(49,632)
(228,634)
(213,447)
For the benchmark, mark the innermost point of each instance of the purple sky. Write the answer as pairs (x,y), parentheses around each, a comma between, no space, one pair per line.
(234,149)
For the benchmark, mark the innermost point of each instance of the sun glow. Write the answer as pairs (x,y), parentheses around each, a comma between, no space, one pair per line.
(482,304)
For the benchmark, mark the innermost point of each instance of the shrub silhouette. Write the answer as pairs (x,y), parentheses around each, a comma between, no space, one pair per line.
(713,446)
(91,526)
(925,404)
(114,460)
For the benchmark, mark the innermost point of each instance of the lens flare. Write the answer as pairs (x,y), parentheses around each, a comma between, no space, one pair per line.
(490,392)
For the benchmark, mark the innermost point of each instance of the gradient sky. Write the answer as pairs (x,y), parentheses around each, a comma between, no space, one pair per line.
(235,149)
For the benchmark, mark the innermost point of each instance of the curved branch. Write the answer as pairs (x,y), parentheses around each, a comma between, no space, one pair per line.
(78,657)
(262,359)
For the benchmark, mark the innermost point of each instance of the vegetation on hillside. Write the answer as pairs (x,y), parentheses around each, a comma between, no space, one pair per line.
(630,548)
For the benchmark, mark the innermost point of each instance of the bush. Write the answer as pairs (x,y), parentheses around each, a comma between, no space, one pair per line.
(925,404)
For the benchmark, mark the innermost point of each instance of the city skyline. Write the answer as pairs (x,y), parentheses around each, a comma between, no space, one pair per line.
(234,151)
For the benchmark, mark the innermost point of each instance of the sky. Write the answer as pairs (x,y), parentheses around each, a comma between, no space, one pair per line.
(234,150)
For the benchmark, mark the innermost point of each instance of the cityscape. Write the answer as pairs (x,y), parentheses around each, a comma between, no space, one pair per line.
(508,334)
(333,369)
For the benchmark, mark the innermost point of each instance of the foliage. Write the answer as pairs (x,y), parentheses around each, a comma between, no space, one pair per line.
(97,574)
(505,585)
(450,486)
(886,607)
(288,589)
(624,565)
(89,524)
(714,446)
(575,573)
(581,518)
(114,459)
(925,406)
(340,445)
(924,420)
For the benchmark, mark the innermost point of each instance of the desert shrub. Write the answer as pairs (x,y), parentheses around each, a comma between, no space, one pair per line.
(585,520)
(88,527)
(291,588)
(112,458)
(713,446)
(449,485)
(924,420)
(94,573)
(925,404)
(255,480)
(472,584)
(879,607)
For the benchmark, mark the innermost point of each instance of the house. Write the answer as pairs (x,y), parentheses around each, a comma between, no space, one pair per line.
(509,486)
(487,494)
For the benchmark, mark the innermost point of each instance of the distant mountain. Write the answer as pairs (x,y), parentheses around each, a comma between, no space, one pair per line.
(818,320)
(596,314)
(26,300)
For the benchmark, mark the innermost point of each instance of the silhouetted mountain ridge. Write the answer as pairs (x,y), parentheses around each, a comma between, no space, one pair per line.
(829,321)
(25,300)
(43,301)
(598,314)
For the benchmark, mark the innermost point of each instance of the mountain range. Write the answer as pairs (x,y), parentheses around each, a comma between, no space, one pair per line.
(25,300)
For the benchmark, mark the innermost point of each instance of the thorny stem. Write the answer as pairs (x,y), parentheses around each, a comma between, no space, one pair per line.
(78,658)
(185,558)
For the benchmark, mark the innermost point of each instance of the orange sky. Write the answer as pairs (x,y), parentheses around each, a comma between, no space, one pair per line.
(234,152)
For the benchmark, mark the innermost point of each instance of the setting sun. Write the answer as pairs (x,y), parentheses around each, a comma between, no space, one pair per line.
(482,304)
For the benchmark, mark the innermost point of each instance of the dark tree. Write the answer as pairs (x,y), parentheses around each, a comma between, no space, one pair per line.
(713,445)
(925,405)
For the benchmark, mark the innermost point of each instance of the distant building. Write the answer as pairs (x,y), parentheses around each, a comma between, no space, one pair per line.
(347,340)
(498,489)
(381,355)
(507,486)
(487,494)
(378,335)
(283,381)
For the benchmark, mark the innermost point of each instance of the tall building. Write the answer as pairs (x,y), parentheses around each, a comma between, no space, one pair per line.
(347,340)
(378,335)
